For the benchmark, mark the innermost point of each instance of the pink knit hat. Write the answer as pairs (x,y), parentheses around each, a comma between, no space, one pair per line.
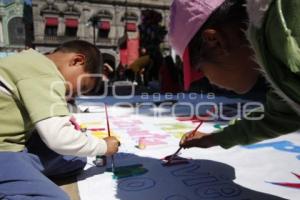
(187,17)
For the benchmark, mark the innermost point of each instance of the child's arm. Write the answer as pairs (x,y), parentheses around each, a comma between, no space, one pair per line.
(279,119)
(60,136)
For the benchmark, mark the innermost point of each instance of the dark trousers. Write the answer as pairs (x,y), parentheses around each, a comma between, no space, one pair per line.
(25,175)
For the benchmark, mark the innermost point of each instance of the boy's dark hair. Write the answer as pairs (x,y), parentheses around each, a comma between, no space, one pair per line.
(93,57)
(230,13)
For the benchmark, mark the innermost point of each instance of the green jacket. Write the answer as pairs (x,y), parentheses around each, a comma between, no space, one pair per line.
(275,36)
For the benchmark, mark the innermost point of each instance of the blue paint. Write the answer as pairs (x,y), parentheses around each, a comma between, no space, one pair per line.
(285,146)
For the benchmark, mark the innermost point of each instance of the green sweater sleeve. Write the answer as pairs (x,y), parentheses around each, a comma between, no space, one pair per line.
(279,119)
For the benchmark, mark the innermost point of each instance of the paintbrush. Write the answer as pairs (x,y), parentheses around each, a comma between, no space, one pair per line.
(108,130)
(179,149)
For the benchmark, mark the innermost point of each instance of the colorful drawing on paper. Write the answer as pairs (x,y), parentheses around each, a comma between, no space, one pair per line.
(288,184)
(175,129)
(136,129)
(202,180)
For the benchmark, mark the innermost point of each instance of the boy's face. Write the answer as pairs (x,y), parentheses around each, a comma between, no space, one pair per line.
(226,60)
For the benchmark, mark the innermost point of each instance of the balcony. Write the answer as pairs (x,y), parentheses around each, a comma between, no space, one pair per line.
(55,40)
(106,42)
(58,39)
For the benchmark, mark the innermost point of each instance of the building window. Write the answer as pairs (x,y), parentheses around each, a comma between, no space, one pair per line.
(16,31)
(131,26)
(104,29)
(71,27)
(51,26)
(51,31)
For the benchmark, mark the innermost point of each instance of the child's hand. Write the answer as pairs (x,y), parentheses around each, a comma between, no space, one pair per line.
(197,139)
(112,145)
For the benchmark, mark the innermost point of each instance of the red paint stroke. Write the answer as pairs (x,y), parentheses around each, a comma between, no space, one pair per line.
(172,161)
(290,185)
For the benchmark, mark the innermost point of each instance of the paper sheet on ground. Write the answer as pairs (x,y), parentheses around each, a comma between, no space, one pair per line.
(235,174)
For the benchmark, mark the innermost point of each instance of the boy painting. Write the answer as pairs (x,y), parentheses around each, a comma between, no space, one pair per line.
(37,140)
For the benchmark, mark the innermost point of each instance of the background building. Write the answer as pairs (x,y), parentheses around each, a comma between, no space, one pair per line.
(102,22)
(12,26)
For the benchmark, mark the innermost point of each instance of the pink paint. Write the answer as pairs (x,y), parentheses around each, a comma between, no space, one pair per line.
(135,129)
(158,136)
(153,142)
(74,123)
(138,133)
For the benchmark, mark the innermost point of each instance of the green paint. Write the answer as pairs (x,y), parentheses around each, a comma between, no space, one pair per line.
(218,126)
(170,126)
(128,171)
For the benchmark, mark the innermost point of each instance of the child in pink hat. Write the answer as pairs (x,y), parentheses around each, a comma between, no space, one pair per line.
(210,36)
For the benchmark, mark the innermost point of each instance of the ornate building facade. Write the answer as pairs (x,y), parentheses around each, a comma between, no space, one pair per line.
(102,22)
(12,27)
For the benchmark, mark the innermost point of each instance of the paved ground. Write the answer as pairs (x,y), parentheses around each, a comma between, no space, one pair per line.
(70,186)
